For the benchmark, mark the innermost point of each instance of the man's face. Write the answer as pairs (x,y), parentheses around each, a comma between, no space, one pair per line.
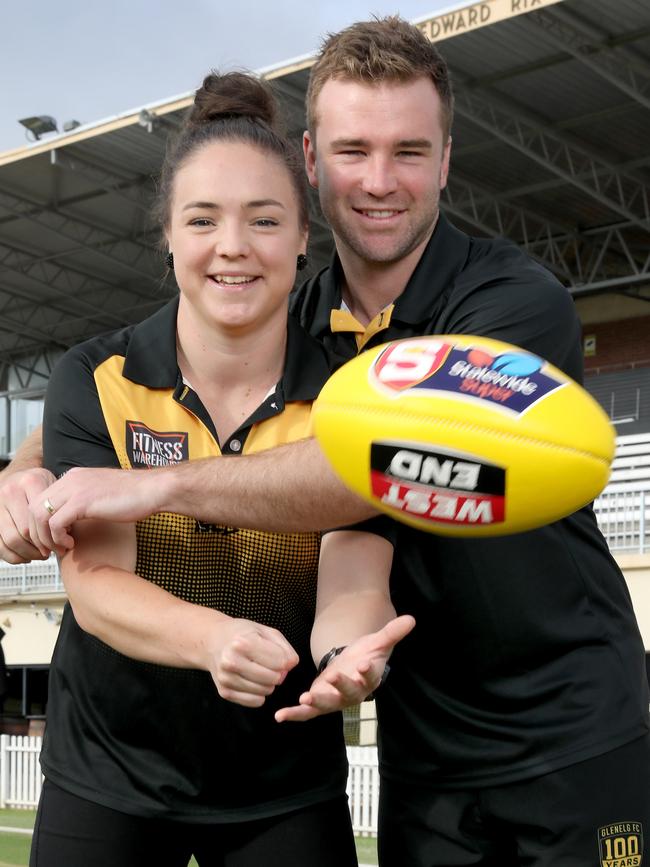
(379,162)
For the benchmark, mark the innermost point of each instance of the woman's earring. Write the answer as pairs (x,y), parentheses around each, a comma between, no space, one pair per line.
(301,262)
(169,261)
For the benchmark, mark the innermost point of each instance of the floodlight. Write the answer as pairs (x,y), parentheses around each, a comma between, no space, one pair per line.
(146,119)
(38,126)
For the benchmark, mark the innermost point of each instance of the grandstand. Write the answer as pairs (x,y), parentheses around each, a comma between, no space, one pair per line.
(550,150)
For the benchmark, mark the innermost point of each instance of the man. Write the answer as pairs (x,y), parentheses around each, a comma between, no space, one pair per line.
(514,724)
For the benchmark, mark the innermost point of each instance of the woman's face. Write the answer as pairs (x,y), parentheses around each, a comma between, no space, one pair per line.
(235,235)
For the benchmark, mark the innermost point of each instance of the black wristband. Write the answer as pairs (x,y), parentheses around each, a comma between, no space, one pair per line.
(329,656)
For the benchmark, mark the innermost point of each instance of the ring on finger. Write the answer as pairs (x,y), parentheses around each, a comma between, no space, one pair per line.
(50,508)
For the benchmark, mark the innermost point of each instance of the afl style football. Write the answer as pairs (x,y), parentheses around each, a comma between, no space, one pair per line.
(463,435)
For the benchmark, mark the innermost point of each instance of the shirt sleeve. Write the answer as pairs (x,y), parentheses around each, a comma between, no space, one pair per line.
(506,295)
(74,429)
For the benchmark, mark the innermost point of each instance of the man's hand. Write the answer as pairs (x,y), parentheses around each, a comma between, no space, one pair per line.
(249,661)
(20,541)
(352,675)
(122,496)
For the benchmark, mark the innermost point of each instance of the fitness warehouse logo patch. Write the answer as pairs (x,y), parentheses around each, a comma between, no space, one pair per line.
(151,448)
(512,380)
(621,844)
(437,486)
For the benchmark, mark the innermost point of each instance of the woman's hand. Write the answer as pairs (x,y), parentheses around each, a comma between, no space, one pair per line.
(248,661)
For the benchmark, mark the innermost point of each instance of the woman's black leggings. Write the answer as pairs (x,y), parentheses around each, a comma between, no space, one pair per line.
(73,832)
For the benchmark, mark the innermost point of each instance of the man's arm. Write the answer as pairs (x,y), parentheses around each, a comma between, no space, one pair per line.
(247,660)
(22,483)
(285,489)
(354,612)
(29,454)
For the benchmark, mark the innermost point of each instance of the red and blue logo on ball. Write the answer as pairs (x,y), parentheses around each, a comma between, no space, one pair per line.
(512,380)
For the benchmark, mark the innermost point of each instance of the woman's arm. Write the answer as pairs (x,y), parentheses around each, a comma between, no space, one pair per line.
(139,619)
(353,589)
(354,612)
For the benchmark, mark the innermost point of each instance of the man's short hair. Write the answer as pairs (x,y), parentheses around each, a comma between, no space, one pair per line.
(384,49)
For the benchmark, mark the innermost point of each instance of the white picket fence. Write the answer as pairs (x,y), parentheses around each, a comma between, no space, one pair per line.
(363,790)
(21,780)
(20,772)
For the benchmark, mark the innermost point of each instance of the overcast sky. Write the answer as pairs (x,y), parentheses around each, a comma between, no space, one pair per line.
(91,60)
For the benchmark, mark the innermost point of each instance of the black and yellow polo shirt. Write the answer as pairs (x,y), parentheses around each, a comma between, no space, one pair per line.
(526,656)
(152,740)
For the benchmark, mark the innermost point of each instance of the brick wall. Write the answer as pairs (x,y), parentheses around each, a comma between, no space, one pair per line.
(622,344)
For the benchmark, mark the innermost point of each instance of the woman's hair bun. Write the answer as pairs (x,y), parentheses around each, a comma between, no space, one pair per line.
(234,94)
(234,107)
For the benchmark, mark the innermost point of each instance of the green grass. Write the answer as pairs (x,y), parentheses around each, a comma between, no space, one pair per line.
(17,818)
(367,850)
(14,848)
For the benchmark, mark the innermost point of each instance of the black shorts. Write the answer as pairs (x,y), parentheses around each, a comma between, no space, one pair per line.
(73,832)
(592,814)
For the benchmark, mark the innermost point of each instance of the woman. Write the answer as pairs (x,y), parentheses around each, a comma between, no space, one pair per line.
(146,762)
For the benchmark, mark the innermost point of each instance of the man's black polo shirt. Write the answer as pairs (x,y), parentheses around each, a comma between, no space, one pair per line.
(526,656)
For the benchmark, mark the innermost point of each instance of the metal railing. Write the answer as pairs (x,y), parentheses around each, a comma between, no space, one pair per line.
(624,519)
(39,576)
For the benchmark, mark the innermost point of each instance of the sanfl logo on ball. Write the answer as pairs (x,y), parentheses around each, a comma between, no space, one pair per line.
(406,363)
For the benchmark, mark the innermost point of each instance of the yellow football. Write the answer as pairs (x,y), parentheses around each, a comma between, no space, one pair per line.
(464,435)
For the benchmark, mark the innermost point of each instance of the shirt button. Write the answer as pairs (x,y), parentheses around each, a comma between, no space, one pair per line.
(234,445)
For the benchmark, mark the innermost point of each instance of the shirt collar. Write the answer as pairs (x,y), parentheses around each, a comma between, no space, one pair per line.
(326,288)
(151,354)
(443,258)
(307,365)
(151,357)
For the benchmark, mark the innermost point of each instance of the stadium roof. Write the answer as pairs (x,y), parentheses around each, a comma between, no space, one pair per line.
(550,149)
